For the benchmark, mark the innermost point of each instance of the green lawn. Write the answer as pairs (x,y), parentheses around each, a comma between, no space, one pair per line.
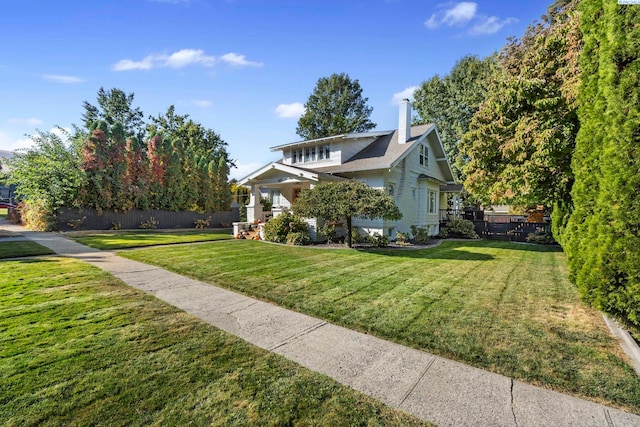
(505,307)
(22,249)
(77,347)
(132,239)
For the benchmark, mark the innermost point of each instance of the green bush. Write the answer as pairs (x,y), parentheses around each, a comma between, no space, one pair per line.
(37,215)
(277,229)
(420,235)
(358,238)
(541,237)
(379,240)
(402,238)
(298,238)
(459,228)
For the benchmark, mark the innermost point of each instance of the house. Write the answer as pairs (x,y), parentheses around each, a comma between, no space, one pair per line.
(6,192)
(409,163)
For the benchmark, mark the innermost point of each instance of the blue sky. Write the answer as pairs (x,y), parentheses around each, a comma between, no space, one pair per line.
(241,67)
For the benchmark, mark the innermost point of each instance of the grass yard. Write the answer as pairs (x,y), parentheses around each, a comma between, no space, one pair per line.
(505,307)
(109,240)
(77,347)
(22,249)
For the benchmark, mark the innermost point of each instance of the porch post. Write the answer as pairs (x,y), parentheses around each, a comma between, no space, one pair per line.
(254,208)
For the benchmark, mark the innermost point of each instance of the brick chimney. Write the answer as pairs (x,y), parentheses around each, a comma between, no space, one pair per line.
(404,121)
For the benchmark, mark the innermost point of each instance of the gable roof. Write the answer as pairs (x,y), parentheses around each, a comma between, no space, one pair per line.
(383,153)
(291,172)
(354,135)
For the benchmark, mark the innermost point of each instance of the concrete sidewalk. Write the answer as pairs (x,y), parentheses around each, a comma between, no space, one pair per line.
(433,388)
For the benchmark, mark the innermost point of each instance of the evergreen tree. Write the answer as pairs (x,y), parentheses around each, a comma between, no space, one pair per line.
(602,239)
(336,106)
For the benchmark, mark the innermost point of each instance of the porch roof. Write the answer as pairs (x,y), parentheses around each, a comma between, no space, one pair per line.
(280,173)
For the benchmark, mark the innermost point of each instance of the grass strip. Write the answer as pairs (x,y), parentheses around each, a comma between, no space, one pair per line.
(22,248)
(77,347)
(505,307)
(110,240)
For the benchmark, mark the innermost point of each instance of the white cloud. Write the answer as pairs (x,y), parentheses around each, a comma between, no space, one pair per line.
(463,13)
(128,64)
(405,94)
(31,121)
(460,13)
(239,60)
(62,79)
(290,111)
(490,25)
(182,58)
(11,144)
(457,14)
(202,103)
(243,169)
(185,57)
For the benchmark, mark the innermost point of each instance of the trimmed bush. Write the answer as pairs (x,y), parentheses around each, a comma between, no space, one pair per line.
(420,235)
(541,237)
(277,229)
(459,228)
(298,238)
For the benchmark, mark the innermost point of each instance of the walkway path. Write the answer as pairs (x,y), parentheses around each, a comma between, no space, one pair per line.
(433,388)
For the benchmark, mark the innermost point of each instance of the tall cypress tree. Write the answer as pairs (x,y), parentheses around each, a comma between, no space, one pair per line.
(603,232)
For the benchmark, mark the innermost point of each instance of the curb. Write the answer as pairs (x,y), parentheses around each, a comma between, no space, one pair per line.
(629,345)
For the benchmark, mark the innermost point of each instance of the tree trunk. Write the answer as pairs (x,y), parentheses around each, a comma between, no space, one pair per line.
(349,243)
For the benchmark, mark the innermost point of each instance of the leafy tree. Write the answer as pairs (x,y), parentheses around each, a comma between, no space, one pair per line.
(115,106)
(343,200)
(602,238)
(48,174)
(520,141)
(336,106)
(192,135)
(451,101)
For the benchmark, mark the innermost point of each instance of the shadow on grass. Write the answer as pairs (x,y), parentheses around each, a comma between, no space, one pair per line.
(460,250)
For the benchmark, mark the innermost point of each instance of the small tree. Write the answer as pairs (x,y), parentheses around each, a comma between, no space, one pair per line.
(343,200)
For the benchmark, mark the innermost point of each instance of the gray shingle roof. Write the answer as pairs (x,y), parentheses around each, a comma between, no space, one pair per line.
(380,154)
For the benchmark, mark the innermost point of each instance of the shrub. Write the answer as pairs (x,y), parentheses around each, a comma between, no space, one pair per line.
(420,235)
(150,224)
(116,226)
(402,238)
(277,229)
(541,237)
(298,238)
(379,240)
(203,223)
(76,224)
(358,238)
(459,228)
(36,215)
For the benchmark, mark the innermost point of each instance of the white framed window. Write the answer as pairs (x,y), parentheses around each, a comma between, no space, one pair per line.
(391,189)
(424,155)
(274,197)
(311,154)
(432,202)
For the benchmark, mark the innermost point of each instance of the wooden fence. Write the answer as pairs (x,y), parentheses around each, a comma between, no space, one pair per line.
(90,219)
(515,231)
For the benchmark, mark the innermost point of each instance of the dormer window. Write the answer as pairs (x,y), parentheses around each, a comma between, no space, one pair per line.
(424,155)
(311,154)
